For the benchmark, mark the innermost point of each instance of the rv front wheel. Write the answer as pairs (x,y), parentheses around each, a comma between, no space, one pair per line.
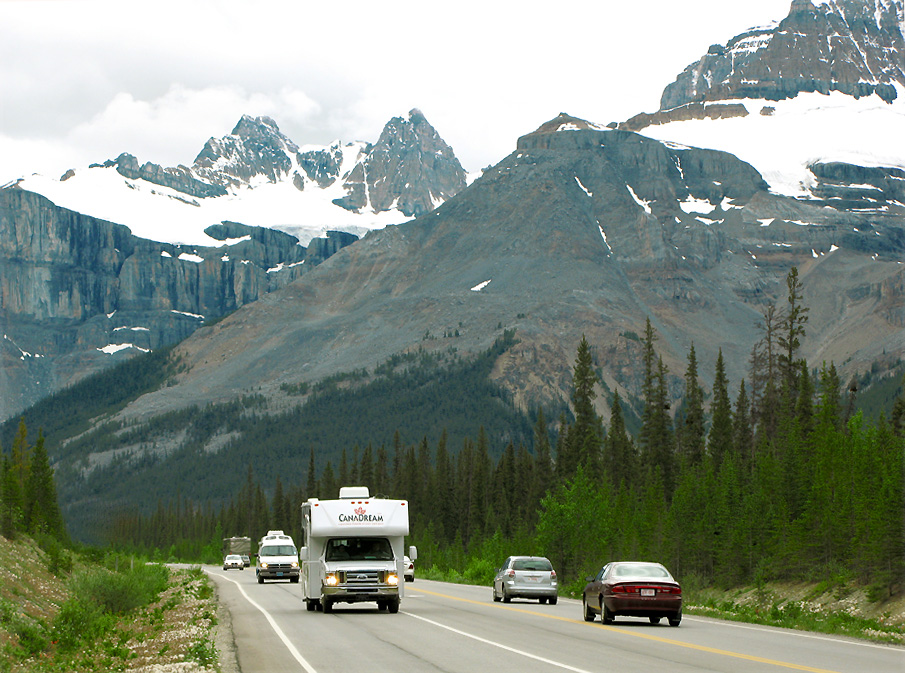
(393,606)
(327,605)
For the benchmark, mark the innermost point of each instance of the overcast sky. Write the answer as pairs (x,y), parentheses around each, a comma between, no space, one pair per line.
(83,80)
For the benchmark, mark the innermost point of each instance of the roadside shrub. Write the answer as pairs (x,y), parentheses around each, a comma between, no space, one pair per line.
(479,571)
(59,560)
(120,592)
(32,638)
(79,621)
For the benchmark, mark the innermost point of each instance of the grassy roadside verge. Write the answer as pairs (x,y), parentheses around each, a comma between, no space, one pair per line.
(842,610)
(61,611)
(837,609)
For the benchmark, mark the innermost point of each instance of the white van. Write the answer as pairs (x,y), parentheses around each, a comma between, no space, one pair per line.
(277,558)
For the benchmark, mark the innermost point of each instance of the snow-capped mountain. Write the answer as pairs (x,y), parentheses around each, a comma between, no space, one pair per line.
(259,177)
(851,46)
(826,85)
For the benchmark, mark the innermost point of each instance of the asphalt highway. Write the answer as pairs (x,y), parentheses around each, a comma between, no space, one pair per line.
(459,629)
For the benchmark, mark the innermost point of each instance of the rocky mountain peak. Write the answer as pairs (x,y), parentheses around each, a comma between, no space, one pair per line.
(410,168)
(256,147)
(853,46)
(566,122)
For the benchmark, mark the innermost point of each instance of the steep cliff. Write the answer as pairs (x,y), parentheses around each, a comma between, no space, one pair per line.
(77,293)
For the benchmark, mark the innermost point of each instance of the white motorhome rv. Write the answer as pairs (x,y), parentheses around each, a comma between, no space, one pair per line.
(353,550)
(277,558)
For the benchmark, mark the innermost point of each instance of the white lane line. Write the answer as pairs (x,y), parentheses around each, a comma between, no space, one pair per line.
(766,628)
(502,647)
(270,620)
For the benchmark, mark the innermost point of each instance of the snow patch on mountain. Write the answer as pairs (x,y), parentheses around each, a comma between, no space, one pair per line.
(782,138)
(162,214)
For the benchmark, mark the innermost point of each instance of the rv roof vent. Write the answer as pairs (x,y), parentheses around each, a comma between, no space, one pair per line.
(274,532)
(354,492)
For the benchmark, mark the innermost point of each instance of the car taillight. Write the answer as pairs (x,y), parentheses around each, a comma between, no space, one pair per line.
(511,573)
(552,574)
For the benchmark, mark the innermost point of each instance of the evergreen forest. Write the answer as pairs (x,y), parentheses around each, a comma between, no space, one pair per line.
(777,476)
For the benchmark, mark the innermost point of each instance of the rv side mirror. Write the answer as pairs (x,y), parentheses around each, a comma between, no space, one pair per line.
(413,553)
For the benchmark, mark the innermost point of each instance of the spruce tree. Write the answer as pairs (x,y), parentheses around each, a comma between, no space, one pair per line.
(42,511)
(366,468)
(278,507)
(585,434)
(765,387)
(791,332)
(543,461)
(690,430)
(742,430)
(620,456)
(646,438)
(20,455)
(659,452)
(11,505)
(719,440)
(311,482)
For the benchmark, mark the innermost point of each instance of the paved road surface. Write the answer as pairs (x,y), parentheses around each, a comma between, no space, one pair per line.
(459,629)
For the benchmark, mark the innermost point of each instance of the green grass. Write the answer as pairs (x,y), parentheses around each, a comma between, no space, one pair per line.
(792,614)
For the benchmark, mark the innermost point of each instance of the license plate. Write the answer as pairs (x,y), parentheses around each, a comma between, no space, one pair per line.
(279,574)
(648,592)
(533,579)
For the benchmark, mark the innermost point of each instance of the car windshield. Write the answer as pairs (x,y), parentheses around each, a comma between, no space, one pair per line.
(233,558)
(278,550)
(639,570)
(359,549)
(531,564)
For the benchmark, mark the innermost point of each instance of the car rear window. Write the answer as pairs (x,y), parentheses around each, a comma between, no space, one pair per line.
(532,564)
(639,571)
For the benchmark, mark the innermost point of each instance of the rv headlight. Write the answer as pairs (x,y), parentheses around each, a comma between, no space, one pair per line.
(263,564)
(295,564)
(331,580)
(392,578)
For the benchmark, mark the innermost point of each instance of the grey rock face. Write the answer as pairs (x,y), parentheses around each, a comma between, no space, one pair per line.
(851,46)
(322,166)
(410,168)
(72,284)
(256,147)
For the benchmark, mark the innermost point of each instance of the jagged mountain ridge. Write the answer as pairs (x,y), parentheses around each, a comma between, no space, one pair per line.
(851,46)
(258,176)
(822,87)
(80,292)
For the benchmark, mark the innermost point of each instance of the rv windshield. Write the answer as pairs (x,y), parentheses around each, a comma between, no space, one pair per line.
(359,549)
(278,550)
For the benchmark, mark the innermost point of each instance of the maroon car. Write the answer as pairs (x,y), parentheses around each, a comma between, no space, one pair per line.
(633,589)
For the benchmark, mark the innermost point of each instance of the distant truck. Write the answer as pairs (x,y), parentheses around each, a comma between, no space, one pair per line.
(236,545)
(277,558)
(352,550)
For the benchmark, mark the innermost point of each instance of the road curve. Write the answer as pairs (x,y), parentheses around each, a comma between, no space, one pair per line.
(459,629)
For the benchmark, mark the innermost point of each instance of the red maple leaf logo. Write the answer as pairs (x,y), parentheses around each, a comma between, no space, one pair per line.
(360,510)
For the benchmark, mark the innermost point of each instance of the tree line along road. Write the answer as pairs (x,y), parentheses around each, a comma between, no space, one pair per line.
(459,629)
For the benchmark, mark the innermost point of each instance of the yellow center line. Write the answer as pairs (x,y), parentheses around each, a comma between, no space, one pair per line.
(635,634)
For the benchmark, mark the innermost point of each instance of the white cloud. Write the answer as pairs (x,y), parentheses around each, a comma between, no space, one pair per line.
(94,78)
(160,130)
